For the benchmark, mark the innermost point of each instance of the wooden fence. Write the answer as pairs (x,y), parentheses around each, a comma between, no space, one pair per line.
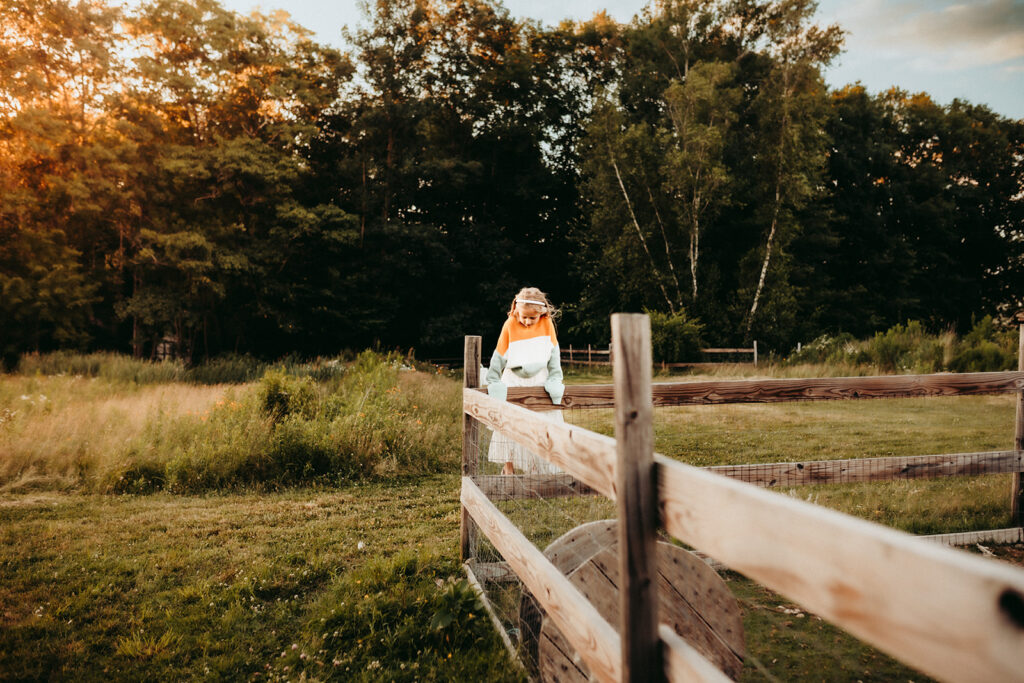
(952,615)
(592,356)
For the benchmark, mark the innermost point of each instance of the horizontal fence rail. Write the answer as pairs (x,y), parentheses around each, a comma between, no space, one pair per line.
(874,469)
(585,455)
(666,394)
(950,614)
(592,356)
(866,578)
(595,640)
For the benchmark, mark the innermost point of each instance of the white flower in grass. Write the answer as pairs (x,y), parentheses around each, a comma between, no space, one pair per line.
(360,545)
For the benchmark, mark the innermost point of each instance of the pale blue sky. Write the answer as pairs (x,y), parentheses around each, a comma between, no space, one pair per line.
(971,49)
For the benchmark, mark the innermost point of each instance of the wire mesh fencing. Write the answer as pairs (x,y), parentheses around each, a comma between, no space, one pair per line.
(569,522)
(553,510)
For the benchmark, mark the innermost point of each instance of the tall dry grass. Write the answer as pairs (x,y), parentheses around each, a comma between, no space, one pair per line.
(57,431)
(327,421)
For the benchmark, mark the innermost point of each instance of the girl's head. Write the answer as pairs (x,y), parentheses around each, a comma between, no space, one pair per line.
(530,305)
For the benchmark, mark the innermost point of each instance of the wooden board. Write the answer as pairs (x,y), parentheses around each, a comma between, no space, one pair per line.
(782,390)
(596,640)
(953,615)
(566,553)
(587,456)
(470,442)
(636,483)
(695,601)
(1017,481)
(992,536)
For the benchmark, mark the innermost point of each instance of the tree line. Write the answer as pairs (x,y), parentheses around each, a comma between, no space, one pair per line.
(181,173)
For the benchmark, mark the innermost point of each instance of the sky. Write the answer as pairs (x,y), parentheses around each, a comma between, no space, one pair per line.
(967,49)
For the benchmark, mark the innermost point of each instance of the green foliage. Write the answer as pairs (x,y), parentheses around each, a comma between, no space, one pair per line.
(675,338)
(177,173)
(986,349)
(109,366)
(282,395)
(827,349)
(227,369)
(910,348)
(326,421)
(905,348)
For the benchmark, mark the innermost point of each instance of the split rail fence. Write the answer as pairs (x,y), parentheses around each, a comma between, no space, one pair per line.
(591,356)
(950,614)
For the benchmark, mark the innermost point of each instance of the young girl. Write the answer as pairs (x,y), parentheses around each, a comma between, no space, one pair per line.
(527,355)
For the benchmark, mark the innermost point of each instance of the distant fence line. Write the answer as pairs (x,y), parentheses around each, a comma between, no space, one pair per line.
(591,355)
(604,356)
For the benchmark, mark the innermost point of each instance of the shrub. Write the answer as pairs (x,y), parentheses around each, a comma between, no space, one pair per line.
(906,348)
(282,395)
(985,349)
(838,349)
(985,357)
(675,338)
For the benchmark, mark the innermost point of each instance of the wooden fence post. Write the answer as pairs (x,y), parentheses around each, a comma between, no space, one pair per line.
(470,438)
(637,498)
(755,353)
(1017,490)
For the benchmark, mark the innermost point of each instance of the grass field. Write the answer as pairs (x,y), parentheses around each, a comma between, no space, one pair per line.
(354,584)
(136,542)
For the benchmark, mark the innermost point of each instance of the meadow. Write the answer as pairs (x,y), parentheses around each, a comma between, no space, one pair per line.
(299,520)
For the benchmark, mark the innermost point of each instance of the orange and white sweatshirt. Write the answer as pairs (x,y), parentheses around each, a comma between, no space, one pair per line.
(526,352)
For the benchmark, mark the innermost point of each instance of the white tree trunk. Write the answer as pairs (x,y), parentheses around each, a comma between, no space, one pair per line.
(639,232)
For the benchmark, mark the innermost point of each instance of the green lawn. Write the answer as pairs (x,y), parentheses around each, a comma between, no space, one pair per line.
(351,584)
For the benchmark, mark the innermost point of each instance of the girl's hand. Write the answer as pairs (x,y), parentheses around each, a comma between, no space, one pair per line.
(497,390)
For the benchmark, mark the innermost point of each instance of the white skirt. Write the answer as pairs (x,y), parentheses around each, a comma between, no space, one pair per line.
(504,449)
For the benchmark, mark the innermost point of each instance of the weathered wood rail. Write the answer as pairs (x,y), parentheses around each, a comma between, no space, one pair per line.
(667,394)
(592,356)
(952,615)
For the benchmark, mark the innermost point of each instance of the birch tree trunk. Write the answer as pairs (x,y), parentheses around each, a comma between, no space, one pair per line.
(639,232)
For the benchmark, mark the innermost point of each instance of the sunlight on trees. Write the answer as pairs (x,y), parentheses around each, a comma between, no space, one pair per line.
(180,174)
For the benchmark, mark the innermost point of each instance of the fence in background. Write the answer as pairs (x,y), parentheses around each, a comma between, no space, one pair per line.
(591,356)
(949,614)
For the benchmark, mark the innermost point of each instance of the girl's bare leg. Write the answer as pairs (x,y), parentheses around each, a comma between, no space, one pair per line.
(508,469)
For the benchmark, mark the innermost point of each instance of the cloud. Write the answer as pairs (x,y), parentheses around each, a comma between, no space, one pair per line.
(937,35)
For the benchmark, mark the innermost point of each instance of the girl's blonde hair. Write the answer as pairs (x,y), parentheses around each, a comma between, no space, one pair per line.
(534,294)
